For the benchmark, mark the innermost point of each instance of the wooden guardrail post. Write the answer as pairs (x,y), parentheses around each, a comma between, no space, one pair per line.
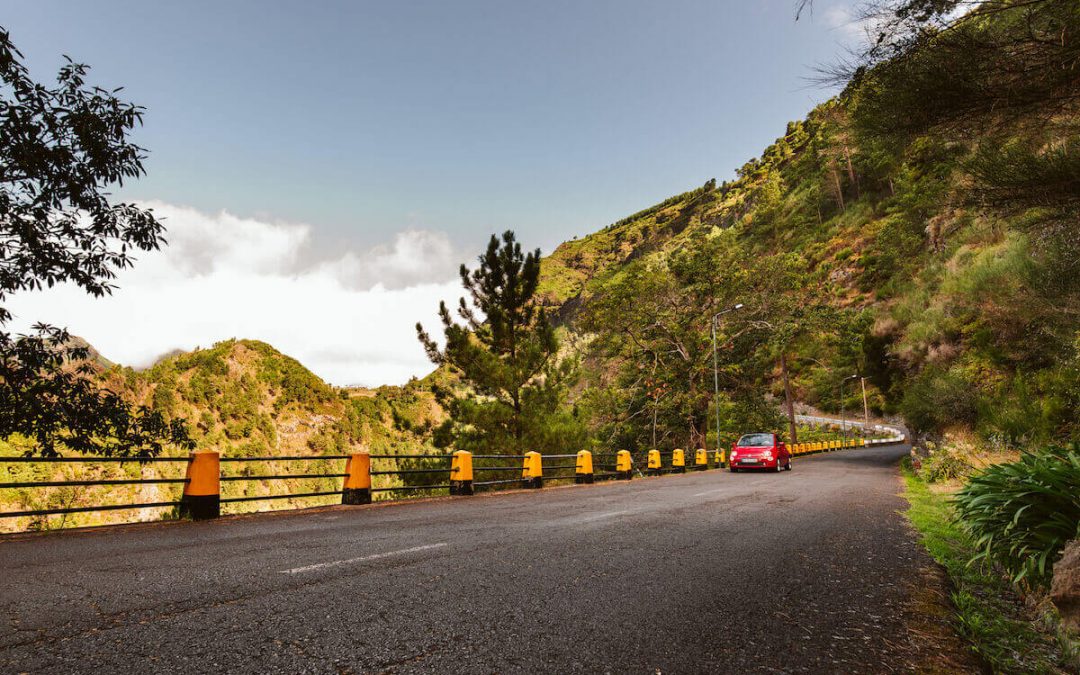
(624,465)
(461,473)
(654,465)
(678,461)
(357,488)
(532,470)
(202,491)
(583,472)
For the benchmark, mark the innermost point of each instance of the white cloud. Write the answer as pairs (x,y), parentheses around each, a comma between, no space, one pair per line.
(350,318)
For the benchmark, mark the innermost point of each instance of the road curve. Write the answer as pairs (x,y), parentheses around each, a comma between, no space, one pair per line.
(803,571)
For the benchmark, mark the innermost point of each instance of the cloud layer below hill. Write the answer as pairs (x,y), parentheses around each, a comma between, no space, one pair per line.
(348,317)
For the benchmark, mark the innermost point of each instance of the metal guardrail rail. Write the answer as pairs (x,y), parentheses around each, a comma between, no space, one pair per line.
(418,473)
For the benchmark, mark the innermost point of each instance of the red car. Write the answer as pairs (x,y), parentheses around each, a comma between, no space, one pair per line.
(759,451)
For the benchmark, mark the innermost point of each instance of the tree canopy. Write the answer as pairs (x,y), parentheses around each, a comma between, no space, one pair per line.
(61,148)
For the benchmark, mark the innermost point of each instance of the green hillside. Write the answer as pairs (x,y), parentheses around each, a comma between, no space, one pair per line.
(964,318)
(919,229)
(241,398)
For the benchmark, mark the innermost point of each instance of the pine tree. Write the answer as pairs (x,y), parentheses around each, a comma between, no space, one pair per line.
(512,388)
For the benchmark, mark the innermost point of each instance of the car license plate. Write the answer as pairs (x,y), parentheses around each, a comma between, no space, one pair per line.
(748,461)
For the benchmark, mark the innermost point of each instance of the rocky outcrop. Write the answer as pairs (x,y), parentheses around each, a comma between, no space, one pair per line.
(1065,589)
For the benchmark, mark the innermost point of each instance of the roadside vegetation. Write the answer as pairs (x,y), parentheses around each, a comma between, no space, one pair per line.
(1012,630)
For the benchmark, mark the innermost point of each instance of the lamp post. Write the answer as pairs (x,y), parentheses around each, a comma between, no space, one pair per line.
(865,407)
(843,410)
(715,371)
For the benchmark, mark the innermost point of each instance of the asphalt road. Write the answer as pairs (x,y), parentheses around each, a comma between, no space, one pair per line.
(803,571)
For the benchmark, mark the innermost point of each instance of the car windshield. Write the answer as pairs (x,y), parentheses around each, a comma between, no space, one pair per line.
(755,440)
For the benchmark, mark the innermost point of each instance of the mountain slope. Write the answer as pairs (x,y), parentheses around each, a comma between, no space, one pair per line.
(960,316)
(241,398)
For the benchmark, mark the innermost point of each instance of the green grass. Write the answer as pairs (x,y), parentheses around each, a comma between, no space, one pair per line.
(1000,628)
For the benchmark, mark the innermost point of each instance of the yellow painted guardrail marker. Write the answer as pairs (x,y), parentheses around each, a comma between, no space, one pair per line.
(461,473)
(678,461)
(583,472)
(654,463)
(202,491)
(624,465)
(701,459)
(357,487)
(532,470)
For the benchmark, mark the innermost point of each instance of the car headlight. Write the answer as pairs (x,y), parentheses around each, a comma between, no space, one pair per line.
(768,454)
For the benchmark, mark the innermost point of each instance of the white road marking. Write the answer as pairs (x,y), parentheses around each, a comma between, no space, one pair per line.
(709,492)
(366,558)
(601,516)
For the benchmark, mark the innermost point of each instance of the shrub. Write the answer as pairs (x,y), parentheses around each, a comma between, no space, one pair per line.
(1022,514)
(937,398)
(942,464)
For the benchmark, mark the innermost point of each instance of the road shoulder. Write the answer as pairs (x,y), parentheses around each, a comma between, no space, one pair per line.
(969,617)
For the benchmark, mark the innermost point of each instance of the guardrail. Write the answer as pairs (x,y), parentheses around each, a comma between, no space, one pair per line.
(799,449)
(896,434)
(461,473)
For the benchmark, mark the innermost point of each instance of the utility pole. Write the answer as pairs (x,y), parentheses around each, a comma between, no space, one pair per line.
(716,372)
(843,409)
(793,437)
(865,407)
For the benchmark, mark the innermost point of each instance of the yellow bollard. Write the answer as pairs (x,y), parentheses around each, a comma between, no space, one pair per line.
(678,461)
(719,457)
(532,470)
(357,488)
(583,472)
(701,459)
(461,473)
(654,463)
(202,491)
(624,465)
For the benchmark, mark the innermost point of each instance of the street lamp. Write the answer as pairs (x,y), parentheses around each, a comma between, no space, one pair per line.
(865,407)
(715,371)
(843,410)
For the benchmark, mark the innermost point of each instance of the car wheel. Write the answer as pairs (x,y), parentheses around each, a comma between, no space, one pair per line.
(734,470)
(779,467)
(787,467)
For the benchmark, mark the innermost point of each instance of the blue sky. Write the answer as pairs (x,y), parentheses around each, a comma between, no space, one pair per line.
(361,121)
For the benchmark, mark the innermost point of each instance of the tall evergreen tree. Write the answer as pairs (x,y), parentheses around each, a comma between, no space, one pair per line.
(512,385)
